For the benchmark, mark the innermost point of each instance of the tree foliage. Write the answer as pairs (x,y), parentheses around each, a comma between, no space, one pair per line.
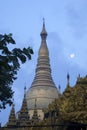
(10,61)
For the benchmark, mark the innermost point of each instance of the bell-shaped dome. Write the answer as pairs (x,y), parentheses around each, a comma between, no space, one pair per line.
(44,96)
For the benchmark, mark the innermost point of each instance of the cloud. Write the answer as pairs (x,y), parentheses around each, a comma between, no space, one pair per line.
(61,63)
(77,18)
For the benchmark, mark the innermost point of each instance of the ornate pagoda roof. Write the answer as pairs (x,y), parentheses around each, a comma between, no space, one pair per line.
(12,118)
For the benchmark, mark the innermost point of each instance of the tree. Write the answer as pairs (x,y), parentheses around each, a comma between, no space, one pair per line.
(10,61)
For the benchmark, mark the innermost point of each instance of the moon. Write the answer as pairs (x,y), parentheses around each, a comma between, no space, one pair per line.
(72,55)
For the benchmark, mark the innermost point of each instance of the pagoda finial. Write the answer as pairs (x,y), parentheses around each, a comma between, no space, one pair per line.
(43,22)
(43,32)
(59,90)
(79,76)
(24,89)
(59,87)
(68,79)
(13,102)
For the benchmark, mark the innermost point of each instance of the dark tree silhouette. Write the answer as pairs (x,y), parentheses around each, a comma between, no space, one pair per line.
(10,61)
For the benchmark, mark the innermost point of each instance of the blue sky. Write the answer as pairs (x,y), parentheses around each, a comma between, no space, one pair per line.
(66,24)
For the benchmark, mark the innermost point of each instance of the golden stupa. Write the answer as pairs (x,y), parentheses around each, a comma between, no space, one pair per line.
(42,88)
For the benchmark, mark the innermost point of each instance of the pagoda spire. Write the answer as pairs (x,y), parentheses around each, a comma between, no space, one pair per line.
(59,90)
(68,80)
(43,70)
(35,117)
(24,116)
(25,90)
(12,118)
(43,32)
(42,87)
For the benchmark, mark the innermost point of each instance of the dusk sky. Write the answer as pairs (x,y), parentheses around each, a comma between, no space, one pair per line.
(66,25)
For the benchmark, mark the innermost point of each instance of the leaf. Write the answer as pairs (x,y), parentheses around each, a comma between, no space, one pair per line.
(10,62)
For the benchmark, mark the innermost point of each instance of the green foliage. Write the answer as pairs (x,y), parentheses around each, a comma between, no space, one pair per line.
(9,65)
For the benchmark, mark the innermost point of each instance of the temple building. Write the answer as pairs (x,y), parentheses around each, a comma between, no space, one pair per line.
(41,92)
(42,88)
